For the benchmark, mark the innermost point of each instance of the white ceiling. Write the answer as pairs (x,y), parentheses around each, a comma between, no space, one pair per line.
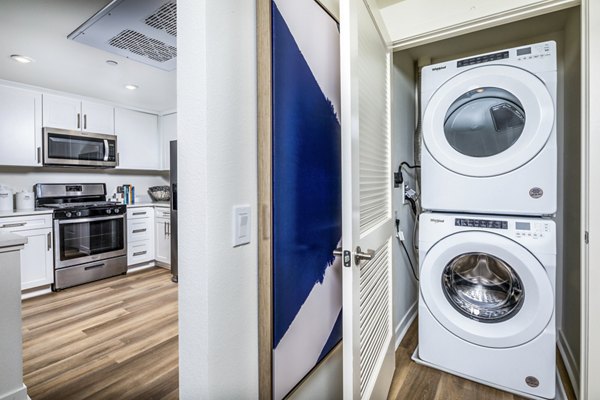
(39,29)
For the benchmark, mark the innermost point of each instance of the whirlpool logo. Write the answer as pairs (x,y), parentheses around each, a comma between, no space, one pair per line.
(437,220)
(438,68)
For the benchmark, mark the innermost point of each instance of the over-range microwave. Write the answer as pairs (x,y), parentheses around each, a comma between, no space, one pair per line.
(74,148)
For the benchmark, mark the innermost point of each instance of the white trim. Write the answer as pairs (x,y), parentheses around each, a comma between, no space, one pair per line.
(29,293)
(141,267)
(17,394)
(569,360)
(405,323)
(516,14)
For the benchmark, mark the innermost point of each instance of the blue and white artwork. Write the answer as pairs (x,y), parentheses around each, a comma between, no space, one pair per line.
(307,281)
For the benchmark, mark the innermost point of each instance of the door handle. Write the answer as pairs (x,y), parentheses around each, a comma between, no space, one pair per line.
(359,255)
(78,121)
(84,121)
(39,155)
(49,241)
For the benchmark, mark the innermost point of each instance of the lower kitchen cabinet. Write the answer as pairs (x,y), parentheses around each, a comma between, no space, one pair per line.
(140,235)
(162,237)
(37,258)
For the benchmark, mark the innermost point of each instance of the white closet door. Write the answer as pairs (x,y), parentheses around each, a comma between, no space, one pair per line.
(366,205)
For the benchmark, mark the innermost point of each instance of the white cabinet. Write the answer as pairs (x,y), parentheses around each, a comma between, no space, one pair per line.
(138,143)
(162,235)
(140,235)
(78,115)
(168,132)
(37,261)
(408,23)
(20,127)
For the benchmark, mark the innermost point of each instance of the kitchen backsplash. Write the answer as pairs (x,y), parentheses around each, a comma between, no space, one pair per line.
(18,179)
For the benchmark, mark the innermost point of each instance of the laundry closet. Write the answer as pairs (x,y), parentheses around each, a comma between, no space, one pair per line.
(455,32)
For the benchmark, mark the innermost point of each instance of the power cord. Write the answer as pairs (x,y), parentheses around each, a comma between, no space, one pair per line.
(401,240)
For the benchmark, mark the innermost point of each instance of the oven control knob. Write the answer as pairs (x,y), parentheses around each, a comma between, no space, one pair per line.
(109,211)
(68,214)
(117,211)
(79,213)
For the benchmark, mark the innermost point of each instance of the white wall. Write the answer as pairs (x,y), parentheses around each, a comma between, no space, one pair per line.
(19,178)
(403,128)
(218,306)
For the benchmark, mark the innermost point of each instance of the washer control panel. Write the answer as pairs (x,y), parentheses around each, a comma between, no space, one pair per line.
(481,223)
(533,230)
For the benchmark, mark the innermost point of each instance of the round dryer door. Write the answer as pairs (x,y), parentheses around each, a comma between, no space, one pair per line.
(488,120)
(486,289)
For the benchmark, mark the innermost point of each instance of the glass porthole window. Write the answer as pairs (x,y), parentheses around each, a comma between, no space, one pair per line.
(482,287)
(484,122)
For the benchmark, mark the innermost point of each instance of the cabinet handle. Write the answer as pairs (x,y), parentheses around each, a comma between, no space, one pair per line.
(39,155)
(165,228)
(15,225)
(118,159)
(78,120)
(139,230)
(139,213)
(140,253)
(49,241)
(84,121)
(168,225)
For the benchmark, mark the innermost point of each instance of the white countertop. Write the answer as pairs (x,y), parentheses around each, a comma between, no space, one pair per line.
(159,204)
(20,213)
(11,239)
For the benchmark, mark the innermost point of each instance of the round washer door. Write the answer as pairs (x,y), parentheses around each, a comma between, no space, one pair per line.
(488,120)
(486,289)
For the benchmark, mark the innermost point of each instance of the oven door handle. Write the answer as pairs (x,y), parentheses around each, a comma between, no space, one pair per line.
(83,220)
(106,149)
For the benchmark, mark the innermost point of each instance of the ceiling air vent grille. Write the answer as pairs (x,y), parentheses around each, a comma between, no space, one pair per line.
(143,45)
(164,18)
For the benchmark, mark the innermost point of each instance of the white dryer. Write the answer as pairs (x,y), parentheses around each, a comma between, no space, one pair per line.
(489,133)
(486,305)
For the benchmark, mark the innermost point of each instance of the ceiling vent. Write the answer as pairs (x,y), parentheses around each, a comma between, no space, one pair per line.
(141,30)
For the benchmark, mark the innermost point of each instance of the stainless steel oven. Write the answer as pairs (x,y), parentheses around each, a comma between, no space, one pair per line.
(64,147)
(90,234)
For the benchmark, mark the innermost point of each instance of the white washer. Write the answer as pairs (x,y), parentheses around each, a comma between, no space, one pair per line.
(489,133)
(486,305)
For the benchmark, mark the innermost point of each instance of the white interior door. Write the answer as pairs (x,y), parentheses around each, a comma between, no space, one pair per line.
(366,205)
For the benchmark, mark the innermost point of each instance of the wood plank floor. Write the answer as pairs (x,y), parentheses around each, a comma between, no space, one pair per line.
(111,339)
(414,381)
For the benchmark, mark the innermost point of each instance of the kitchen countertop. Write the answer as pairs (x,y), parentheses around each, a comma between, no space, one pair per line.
(20,213)
(10,240)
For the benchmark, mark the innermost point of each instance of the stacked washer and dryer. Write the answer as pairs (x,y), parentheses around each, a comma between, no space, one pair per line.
(487,241)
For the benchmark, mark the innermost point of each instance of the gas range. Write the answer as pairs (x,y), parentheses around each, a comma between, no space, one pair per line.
(89,232)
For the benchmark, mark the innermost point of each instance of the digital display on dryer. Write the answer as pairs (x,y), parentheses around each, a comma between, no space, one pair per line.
(481,223)
(523,226)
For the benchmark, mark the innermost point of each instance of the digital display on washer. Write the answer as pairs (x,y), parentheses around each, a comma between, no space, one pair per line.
(482,59)
(524,51)
(523,226)
(481,223)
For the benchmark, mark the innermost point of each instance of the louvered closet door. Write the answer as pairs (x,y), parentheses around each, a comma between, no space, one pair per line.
(366,205)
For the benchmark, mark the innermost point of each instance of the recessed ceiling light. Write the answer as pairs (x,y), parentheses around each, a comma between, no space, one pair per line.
(112,63)
(21,59)
(131,87)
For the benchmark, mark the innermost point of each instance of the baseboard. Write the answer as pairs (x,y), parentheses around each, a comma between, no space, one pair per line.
(569,360)
(140,267)
(35,292)
(18,394)
(405,323)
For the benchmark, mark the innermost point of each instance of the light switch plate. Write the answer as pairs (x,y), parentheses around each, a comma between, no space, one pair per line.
(242,218)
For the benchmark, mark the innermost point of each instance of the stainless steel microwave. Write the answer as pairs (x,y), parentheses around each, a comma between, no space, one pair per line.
(84,149)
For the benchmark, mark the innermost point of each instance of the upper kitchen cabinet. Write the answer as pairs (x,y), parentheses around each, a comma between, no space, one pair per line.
(78,115)
(138,140)
(168,132)
(20,127)
(408,23)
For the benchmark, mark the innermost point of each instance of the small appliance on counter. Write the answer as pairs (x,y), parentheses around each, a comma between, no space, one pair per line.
(25,200)
(90,233)
(6,199)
